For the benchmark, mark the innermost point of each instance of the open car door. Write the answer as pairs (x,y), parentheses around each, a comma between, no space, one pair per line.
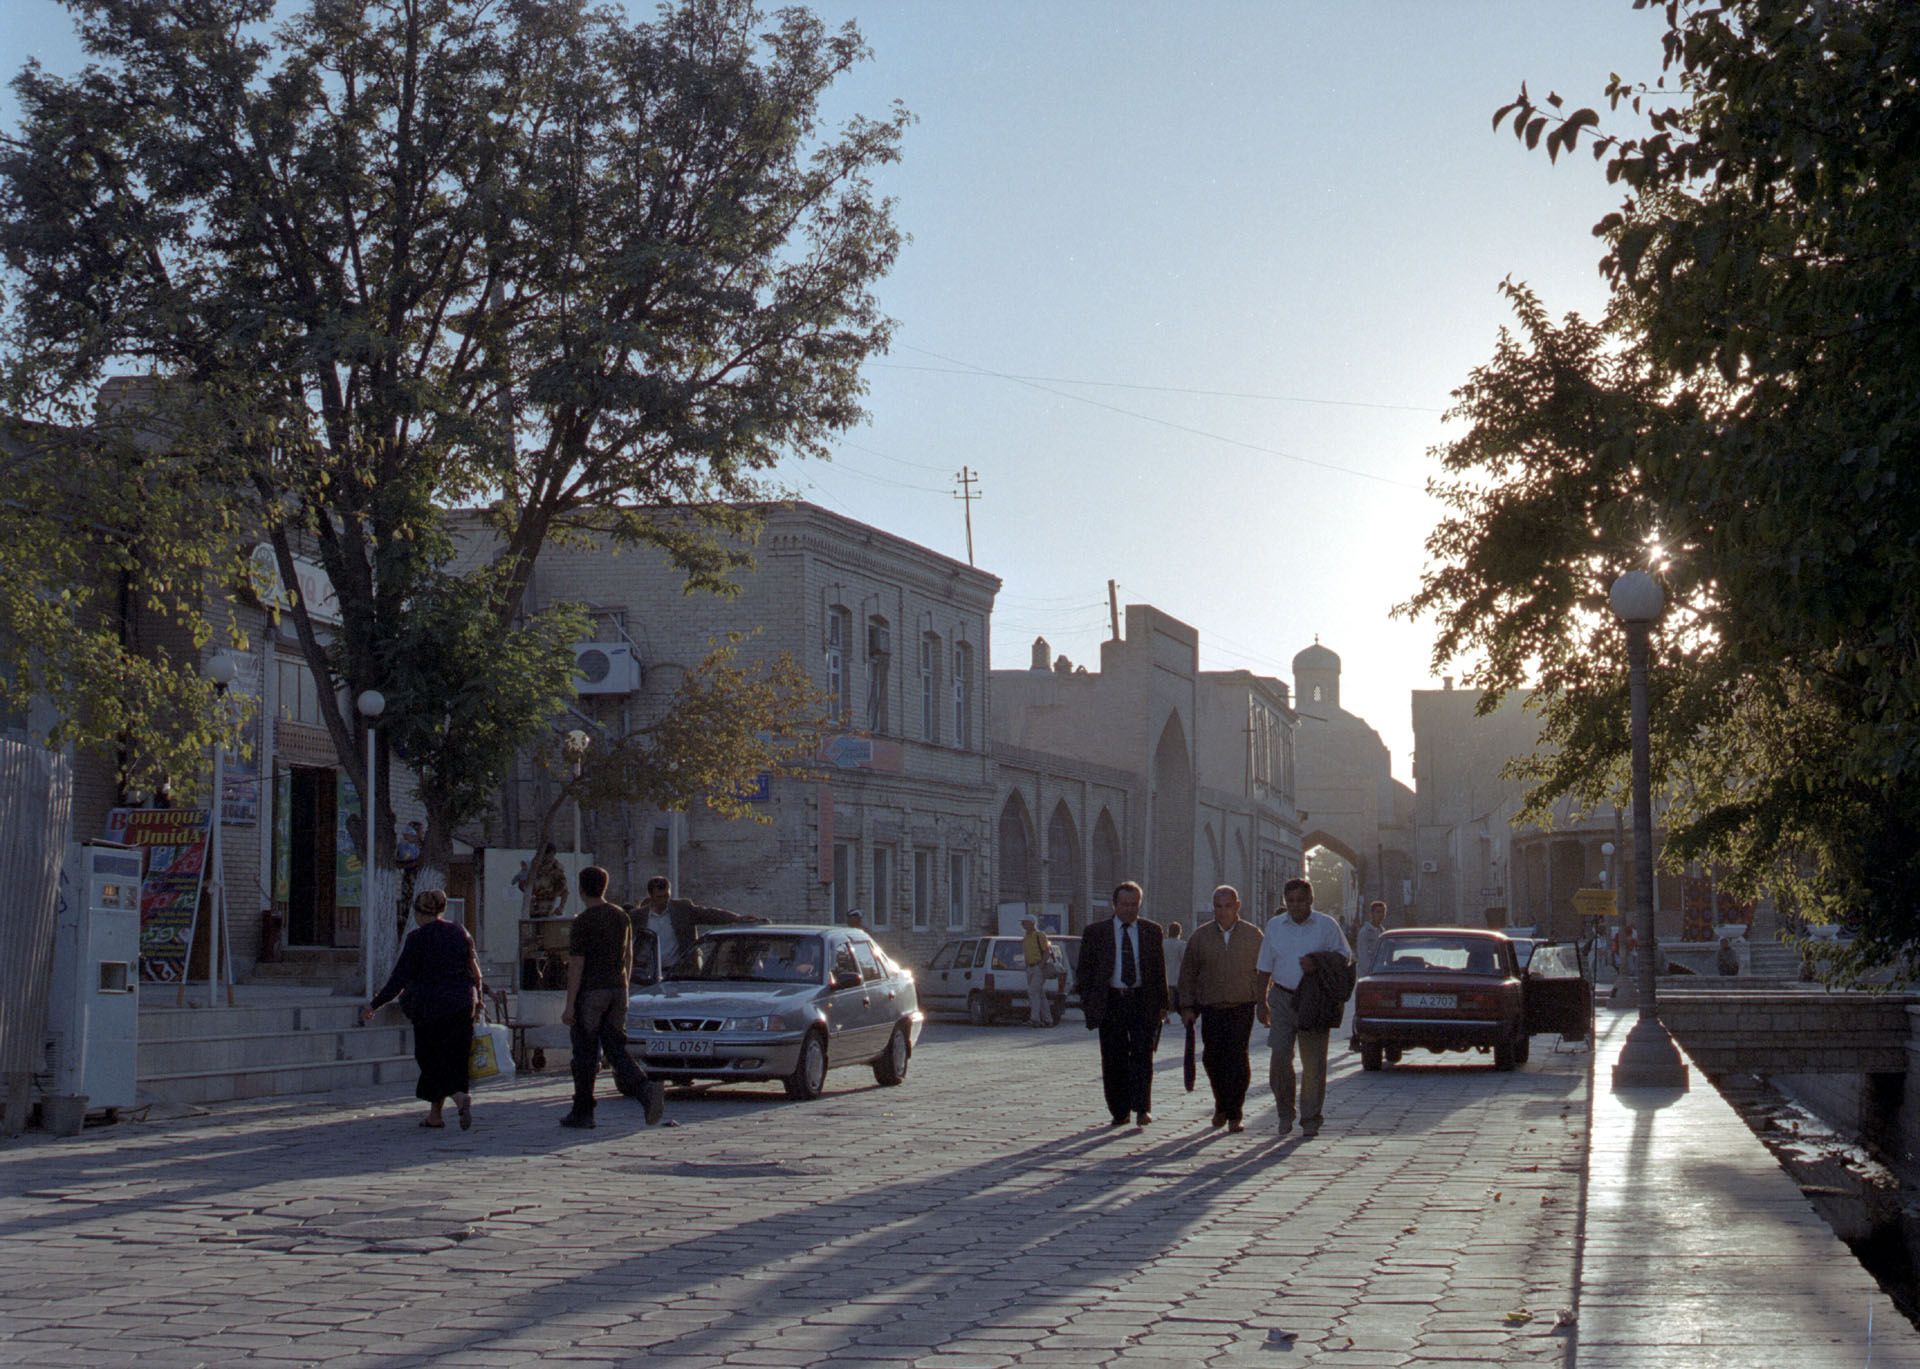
(1557,996)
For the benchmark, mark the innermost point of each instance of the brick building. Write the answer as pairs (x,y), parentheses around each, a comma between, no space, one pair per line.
(898,820)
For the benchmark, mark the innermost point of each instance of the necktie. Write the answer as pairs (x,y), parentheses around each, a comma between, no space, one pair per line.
(1129,968)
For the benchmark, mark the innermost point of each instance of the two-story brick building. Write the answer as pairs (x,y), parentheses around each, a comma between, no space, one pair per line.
(898,819)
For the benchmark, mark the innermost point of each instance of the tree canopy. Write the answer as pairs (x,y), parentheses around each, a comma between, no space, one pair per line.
(390,257)
(1745,421)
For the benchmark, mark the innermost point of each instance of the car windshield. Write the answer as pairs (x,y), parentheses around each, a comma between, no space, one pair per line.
(1454,954)
(768,958)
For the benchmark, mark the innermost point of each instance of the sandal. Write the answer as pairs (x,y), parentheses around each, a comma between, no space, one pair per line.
(463,1102)
(433,1125)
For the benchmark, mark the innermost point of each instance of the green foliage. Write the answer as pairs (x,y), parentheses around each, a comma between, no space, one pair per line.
(726,723)
(399,255)
(1746,421)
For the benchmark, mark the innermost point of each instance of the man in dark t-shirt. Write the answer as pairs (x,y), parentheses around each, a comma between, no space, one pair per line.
(599,964)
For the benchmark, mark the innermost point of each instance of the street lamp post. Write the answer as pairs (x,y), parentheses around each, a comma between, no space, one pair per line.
(575,746)
(1606,882)
(220,670)
(1649,1059)
(371,703)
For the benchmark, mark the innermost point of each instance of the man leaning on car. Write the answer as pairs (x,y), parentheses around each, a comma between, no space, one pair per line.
(1220,984)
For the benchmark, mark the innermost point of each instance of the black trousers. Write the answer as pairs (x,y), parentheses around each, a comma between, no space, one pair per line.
(1127,1035)
(600,1027)
(1225,1029)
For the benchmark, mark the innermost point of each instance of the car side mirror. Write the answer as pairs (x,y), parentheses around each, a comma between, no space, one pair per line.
(846,979)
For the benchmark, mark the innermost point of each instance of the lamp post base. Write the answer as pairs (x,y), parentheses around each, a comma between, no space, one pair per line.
(1649,1060)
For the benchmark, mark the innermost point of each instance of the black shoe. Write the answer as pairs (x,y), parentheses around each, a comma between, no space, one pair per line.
(1140,1119)
(1307,1133)
(1119,1121)
(653,1096)
(1236,1125)
(582,1121)
(1219,1118)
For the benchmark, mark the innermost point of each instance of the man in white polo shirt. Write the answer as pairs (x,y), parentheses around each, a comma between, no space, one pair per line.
(1283,965)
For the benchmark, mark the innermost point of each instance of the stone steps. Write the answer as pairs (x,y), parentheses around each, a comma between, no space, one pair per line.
(273,1041)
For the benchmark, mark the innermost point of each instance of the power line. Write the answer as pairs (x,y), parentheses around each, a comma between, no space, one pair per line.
(1183,427)
(962,369)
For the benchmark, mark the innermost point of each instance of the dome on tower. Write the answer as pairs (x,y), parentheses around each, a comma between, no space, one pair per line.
(1316,657)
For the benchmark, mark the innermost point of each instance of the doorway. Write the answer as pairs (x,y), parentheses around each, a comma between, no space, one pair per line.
(312,821)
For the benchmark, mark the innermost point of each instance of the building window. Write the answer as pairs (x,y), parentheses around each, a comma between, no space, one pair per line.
(963,696)
(922,889)
(841,895)
(299,696)
(839,623)
(882,885)
(930,688)
(957,867)
(879,657)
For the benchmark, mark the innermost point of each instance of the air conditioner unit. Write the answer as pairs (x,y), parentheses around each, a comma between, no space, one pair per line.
(605,668)
(879,640)
(1429,867)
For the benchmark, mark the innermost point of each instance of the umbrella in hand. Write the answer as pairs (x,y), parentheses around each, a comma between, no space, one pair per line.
(1186,1066)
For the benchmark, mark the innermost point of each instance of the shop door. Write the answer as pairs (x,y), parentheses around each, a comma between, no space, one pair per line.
(310,852)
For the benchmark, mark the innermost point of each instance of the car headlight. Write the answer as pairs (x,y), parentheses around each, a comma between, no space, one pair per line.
(772,1023)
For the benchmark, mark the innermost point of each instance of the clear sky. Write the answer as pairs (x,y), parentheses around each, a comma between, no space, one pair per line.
(1188,289)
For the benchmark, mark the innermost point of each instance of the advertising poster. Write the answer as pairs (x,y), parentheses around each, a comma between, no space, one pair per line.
(240,784)
(174,842)
(346,860)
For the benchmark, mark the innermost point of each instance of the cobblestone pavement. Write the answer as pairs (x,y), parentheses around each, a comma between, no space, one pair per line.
(983,1214)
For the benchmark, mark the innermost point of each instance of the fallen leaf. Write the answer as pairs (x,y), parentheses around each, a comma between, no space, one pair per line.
(1519,1317)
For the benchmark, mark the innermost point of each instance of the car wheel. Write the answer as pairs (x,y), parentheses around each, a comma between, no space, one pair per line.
(1393,1055)
(1503,1056)
(809,1077)
(977,1011)
(1522,1048)
(891,1068)
(1371,1056)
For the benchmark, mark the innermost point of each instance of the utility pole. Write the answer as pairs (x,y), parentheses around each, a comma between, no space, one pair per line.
(966,496)
(1113,607)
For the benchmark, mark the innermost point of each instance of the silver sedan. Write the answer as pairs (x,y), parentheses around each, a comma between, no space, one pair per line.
(784,1002)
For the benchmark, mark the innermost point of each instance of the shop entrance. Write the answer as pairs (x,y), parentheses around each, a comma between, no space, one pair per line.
(311,825)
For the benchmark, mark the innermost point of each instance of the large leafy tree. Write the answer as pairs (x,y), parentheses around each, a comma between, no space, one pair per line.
(389,256)
(1745,420)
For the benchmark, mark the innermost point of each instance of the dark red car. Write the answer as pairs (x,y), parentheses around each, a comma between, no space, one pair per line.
(1456,989)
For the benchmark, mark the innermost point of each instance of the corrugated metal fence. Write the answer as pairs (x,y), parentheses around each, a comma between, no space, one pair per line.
(36,812)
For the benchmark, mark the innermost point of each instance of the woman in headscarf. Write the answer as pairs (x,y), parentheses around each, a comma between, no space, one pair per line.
(437,980)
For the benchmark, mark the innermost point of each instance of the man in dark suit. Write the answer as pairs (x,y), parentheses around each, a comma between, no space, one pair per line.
(1123,991)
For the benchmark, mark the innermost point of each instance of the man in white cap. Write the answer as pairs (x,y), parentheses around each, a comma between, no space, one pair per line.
(1036,950)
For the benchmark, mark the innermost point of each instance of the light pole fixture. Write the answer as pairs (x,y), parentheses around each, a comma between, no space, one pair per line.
(220,669)
(371,703)
(575,746)
(1649,1059)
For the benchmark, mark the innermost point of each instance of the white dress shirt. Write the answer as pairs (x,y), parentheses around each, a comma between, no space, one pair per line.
(1286,941)
(1122,933)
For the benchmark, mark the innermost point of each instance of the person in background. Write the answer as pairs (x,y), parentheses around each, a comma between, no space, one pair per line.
(671,924)
(1175,951)
(437,980)
(1035,950)
(1367,945)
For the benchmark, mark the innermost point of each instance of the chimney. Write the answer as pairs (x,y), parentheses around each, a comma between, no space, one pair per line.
(1446,682)
(1042,655)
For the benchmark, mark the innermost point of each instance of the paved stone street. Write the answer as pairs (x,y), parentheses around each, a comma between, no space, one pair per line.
(983,1214)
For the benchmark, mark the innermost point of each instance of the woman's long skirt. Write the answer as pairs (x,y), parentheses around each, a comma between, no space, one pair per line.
(441,1047)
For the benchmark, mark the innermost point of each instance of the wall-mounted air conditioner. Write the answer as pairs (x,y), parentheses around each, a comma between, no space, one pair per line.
(879,640)
(1429,867)
(605,668)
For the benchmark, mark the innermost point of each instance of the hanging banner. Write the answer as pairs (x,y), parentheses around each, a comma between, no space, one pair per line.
(346,861)
(240,784)
(282,835)
(174,842)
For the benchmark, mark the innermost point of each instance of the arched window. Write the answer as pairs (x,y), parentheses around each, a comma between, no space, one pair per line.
(879,659)
(930,687)
(1018,882)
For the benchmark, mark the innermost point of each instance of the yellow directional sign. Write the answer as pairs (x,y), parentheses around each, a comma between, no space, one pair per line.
(1595,903)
